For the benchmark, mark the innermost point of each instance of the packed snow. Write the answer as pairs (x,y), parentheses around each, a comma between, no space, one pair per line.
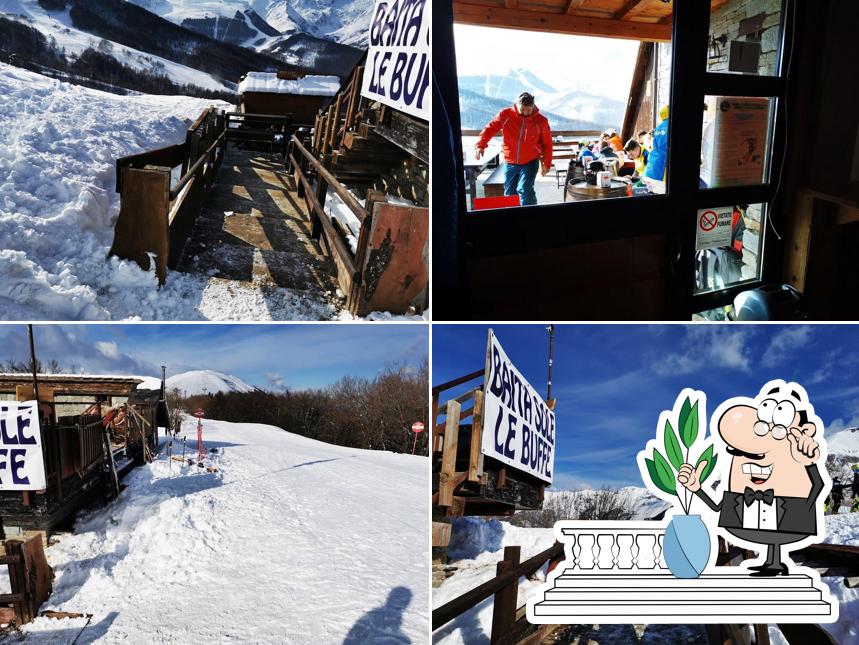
(308,86)
(290,541)
(58,205)
(478,544)
(206,382)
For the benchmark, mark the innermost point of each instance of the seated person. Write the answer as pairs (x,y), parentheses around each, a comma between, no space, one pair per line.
(607,150)
(638,154)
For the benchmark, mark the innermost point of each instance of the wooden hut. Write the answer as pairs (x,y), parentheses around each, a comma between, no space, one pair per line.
(94,430)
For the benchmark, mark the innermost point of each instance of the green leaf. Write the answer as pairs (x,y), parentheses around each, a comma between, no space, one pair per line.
(710,458)
(672,446)
(663,470)
(654,476)
(689,430)
(684,413)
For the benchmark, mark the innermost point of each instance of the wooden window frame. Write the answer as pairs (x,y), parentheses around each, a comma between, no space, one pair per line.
(535,228)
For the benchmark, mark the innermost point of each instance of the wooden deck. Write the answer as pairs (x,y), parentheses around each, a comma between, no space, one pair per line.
(253,229)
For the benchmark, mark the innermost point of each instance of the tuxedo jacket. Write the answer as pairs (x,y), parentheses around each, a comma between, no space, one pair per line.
(793,514)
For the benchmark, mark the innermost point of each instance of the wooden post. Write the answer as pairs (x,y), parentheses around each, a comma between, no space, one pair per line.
(504,604)
(448,455)
(335,122)
(353,98)
(18,581)
(434,447)
(321,194)
(475,461)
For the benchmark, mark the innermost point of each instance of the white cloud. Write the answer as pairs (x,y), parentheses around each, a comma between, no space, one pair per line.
(108,349)
(706,346)
(276,381)
(785,343)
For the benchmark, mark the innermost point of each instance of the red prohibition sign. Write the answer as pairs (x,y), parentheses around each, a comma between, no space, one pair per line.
(708,220)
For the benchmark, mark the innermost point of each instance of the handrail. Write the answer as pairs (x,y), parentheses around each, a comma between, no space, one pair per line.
(347,197)
(174,192)
(450,610)
(457,381)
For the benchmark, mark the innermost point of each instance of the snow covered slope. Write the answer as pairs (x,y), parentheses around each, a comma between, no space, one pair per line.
(844,443)
(292,541)
(58,205)
(59,26)
(343,21)
(206,382)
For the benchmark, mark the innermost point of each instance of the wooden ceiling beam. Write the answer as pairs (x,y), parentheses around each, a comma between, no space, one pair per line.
(628,7)
(573,6)
(484,16)
(511,4)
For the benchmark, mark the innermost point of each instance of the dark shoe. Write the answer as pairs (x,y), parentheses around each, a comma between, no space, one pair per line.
(760,567)
(768,572)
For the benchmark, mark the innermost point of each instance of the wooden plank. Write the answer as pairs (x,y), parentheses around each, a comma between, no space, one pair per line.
(573,6)
(629,7)
(457,381)
(38,574)
(142,223)
(347,197)
(562,24)
(448,455)
(504,603)
(796,256)
(18,582)
(475,460)
(394,275)
(346,272)
(440,534)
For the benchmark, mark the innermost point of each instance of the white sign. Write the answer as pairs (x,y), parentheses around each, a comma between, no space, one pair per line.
(398,60)
(518,426)
(714,227)
(739,148)
(21,464)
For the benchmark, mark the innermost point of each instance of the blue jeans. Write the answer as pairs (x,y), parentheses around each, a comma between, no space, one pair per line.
(519,178)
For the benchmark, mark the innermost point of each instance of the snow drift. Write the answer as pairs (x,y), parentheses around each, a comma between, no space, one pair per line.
(292,541)
(58,149)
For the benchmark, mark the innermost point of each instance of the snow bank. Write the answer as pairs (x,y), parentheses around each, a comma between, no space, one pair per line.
(307,86)
(58,149)
(292,541)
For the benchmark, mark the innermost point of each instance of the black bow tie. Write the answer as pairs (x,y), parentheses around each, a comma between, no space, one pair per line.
(750,496)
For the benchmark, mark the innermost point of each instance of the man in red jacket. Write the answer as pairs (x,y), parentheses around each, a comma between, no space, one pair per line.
(526,141)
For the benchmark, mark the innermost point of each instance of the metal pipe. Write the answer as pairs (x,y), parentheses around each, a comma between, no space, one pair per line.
(33,365)
(551,329)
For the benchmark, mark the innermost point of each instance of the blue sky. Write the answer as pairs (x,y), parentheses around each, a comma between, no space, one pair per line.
(299,356)
(612,381)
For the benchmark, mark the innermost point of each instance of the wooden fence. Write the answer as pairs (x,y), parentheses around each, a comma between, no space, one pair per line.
(388,270)
(510,625)
(30,579)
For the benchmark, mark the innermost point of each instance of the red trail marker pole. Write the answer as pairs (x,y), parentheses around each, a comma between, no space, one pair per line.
(417,428)
(201,453)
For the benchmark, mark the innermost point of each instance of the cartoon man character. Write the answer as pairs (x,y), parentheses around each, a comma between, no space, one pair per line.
(774,480)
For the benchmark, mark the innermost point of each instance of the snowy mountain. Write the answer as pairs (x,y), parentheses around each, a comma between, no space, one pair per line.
(291,541)
(845,443)
(256,23)
(206,382)
(476,110)
(576,107)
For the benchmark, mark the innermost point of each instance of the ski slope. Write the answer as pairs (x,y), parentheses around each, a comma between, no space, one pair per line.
(292,541)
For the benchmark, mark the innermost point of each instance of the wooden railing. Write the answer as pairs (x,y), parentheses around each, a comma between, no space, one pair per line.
(157,217)
(387,270)
(29,579)
(606,548)
(341,116)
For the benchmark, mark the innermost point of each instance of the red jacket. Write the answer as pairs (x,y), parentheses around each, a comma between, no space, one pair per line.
(524,138)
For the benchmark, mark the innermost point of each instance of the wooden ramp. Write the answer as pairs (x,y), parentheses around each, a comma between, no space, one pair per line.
(252,229)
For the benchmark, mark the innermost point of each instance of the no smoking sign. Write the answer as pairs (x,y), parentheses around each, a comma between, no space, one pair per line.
(714,227)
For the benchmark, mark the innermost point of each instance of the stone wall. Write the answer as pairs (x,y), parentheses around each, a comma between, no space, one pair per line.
(726,21)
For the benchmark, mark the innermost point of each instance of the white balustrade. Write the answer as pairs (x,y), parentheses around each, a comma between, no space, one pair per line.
(621,547)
